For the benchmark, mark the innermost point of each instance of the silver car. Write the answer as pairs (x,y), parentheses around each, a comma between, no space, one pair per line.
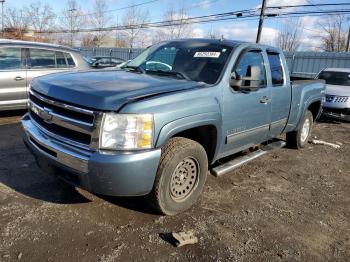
(337,104)
(21,61)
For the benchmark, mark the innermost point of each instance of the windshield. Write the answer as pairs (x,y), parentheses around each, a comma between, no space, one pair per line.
(196,61)
(335,78)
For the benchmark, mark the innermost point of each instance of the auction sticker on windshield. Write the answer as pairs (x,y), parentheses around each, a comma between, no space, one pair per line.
(207,54)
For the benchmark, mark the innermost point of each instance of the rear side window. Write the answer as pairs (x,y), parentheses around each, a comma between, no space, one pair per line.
(61,60)
(40,58)
(276,69)
(10,58)
(70,60)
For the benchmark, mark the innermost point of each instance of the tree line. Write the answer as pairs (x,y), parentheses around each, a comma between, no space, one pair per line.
(25,23)
(331,34)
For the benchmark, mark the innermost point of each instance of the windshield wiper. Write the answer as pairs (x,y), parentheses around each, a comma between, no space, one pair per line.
(169,73)
(135,68)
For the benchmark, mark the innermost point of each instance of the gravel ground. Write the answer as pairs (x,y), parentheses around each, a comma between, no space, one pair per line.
(288,205)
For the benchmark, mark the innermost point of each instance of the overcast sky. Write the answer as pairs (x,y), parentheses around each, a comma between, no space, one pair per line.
(240,30)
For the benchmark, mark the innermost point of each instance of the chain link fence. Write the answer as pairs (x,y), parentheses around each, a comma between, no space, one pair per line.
(124,53)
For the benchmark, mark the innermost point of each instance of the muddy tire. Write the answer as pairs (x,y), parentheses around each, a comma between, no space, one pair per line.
(300,137)
(180,177)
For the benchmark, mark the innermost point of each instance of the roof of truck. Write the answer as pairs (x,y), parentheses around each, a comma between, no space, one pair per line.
(228,42)
(34,44)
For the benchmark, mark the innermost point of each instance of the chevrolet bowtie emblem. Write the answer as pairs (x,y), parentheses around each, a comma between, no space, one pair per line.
(46,115)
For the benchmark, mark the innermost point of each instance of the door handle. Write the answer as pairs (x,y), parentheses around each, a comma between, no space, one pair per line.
(265,100)
(18,78)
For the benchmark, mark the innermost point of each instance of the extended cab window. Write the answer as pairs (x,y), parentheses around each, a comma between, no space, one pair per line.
(251,69)
(40,58)
(10,58)
(276,68)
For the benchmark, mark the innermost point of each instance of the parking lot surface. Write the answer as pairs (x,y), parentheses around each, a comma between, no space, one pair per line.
(289,205)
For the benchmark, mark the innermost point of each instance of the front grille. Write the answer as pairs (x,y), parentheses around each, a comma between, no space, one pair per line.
(341,99)
(336,99)
(65,122)
(63,111)
(61,131)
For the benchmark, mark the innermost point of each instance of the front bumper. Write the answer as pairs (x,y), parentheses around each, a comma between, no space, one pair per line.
(338,113)
(114,174)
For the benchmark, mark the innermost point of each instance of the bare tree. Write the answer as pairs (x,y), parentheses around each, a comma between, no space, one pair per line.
(289,36)
(334,35)
(120,42)
(100,19)
(180,28)
(16,22)
(72,19)
(89,40)
(132,18)
(212,34)
(41,17)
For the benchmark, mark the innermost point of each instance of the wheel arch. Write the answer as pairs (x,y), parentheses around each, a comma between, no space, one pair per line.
(204,129)
(315,108)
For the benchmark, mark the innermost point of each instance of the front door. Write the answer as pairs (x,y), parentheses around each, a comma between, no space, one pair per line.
(246,118)
(13,91)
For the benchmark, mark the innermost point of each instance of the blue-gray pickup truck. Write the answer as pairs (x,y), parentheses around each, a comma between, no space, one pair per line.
(155,127)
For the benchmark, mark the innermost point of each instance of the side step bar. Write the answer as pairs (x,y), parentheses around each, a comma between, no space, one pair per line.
(233,164)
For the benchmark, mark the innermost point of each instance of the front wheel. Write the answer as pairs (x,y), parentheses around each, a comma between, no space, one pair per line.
(299,138)
(181,176)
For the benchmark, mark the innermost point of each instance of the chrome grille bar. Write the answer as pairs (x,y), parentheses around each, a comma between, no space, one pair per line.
(60,120)
(62,105)
(66,124)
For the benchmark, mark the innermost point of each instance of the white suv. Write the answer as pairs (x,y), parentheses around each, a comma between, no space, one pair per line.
(337,103)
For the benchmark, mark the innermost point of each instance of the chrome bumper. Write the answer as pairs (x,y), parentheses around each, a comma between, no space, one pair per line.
(66,155)
(114,174)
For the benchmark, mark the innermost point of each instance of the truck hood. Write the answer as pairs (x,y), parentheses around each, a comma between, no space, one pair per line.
(337,90)
(106,89)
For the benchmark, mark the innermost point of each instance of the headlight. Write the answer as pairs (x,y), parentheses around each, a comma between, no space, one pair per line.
(126,131)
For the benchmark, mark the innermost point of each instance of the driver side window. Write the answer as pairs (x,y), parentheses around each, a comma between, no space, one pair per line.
(251,69)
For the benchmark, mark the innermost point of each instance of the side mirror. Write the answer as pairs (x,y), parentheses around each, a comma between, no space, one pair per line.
(238,82)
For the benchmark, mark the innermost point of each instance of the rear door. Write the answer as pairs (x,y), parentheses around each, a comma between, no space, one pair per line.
(246,118)
(13,91)
(280,93)
(43,61)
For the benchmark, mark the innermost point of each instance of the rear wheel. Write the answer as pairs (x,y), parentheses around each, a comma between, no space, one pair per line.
(300,137)
(180,176)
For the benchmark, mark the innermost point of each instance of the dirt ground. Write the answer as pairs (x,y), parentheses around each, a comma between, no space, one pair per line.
(286,206)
